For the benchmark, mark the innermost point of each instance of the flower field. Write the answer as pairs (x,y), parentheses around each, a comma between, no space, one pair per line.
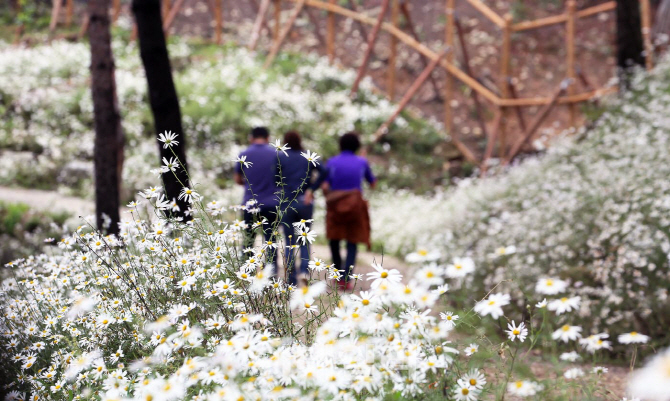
(46,133)
(559,263)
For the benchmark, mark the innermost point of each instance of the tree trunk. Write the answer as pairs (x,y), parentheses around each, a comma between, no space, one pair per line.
(629,36)
(162,92)
(108,153)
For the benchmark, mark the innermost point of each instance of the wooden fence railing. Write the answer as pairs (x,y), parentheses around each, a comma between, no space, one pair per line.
(503,99)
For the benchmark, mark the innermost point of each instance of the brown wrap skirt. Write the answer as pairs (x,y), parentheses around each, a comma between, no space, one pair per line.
(347,217)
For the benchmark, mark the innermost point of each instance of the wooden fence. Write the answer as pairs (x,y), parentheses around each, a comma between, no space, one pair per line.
(503,99)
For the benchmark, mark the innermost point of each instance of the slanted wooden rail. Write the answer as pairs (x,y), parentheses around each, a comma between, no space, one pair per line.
(503,98)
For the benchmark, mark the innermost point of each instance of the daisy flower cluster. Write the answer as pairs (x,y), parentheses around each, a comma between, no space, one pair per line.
(46,135)
(593,210)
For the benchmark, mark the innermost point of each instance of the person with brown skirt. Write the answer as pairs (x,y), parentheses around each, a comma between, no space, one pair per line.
(347,216)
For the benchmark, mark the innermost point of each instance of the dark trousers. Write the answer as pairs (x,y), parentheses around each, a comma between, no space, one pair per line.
(250,235)
(337,259)
(293,214)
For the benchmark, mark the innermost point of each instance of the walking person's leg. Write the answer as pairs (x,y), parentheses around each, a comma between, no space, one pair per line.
(249,234)
(352,248)
(335,252)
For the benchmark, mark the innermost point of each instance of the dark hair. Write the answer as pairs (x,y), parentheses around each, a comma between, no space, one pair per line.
(260,132)
(293,140)
(350,141)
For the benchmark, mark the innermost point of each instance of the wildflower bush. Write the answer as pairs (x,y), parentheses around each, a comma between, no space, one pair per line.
(46,133)
(178,310)
(593,211)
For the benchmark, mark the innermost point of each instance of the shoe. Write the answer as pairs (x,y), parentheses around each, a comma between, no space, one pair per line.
(341,286)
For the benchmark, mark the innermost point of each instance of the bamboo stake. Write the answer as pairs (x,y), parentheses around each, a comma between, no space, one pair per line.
(504,77)
(490,143)
(395,16)
(55,12)
(645,11)
(414,44)
(171,16)
(165,9)
(84,26)
(371,44)
(330,38)
(424,60)
(258,24)
(449,83)
(69,10)
(18,31)
(218,10)
(519,112)
(487,12)
(277,19)
(559,19)
(466,67)
(536,123)
(282,36)
(268,31)
(383,129)
(116,10)
(570,54)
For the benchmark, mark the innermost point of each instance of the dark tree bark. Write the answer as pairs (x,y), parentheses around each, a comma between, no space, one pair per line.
(108,153)
(162,92)
(630,47)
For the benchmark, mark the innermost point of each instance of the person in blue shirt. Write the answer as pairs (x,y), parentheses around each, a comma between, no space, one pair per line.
(347,216)
(259,180)
(296,180)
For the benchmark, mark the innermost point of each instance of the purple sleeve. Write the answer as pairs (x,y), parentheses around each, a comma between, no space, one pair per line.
(369,177)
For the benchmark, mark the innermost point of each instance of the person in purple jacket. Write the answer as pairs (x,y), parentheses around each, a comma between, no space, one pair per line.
(259,180)
(347,215)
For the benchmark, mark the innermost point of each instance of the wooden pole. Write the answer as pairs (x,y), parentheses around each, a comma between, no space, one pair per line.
(282,36)
(466,67)
(391,68)
(171,16)
(371,44)
(424,60)
(570,54)
(165,8)
(449,83)
(116,10)
(645,12)
(218,16)
(258,24)
(69,11)
(84,26)
(536,123)
(519,112)
(504,77)
(383,129)
(18,31)
(330,35)
(55,12)
(277,19)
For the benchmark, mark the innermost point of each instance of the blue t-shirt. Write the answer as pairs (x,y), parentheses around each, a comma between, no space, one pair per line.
(346,171)
(296,172)
(260,177)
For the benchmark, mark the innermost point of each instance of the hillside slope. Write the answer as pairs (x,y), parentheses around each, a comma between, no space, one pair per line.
(594,210)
